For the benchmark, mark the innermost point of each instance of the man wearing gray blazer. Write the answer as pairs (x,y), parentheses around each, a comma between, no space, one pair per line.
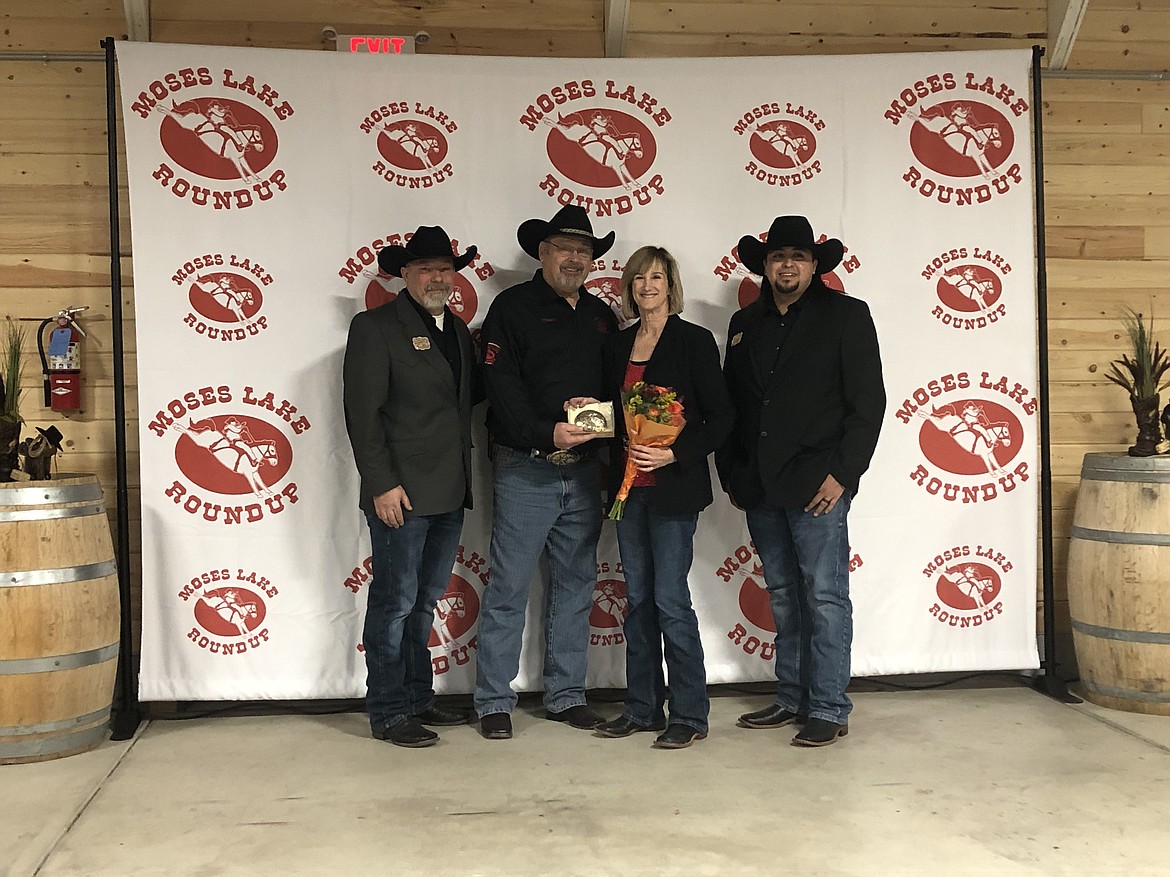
(408,391)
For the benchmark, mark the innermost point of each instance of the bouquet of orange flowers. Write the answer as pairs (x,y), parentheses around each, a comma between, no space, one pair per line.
(654,417)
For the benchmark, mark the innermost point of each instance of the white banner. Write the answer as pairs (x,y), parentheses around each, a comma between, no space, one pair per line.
(263,183)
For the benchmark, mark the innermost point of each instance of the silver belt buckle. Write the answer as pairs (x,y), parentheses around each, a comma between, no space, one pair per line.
(565,457)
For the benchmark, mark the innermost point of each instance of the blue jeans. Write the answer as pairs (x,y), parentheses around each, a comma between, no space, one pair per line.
(538,507)
(806,570)
(657,550)
(411,571)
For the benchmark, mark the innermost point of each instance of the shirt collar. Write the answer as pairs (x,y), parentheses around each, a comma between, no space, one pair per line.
(427,317)
(551,294)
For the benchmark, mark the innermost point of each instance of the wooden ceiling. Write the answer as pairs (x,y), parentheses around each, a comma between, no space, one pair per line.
(1114,35)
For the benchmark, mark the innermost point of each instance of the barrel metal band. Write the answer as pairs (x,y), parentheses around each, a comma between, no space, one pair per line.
(1146,475)
(58,662)
(1120,538)
(47,746)
(87,490)
(79,511)
(1127,693)
(1126,636)
(48,727)
(58,575)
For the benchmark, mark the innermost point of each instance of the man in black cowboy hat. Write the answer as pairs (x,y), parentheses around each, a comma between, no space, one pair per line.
(542,344)
(805,376)
(410,383)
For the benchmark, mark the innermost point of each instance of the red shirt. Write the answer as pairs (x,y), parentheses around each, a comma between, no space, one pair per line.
(634,373)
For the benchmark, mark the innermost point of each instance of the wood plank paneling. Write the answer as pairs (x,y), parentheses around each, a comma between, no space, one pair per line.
(1085,116)
(1090,273)
(1105,301)
(37,217)
(1106,209)
(658,45)
(69,270)
(1022,21)
(84,32)
(53,136)
(1158,241)
(71,103)
(39,169)
(1132,179)
(1100,149)
(1092,54)
(518,15)
(1091,242)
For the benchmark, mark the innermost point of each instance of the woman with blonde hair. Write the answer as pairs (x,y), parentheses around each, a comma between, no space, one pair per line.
(657,527)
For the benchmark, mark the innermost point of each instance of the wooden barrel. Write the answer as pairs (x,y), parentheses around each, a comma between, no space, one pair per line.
(58,618)
(1119,582)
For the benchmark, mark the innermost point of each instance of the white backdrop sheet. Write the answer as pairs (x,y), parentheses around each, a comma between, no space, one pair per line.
(263,182)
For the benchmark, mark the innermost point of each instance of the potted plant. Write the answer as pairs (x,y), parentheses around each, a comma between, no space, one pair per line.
(10,419)
(1140,374)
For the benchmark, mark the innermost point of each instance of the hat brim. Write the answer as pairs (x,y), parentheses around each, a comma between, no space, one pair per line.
(394,258)
(56,443)
(533,231)
(753,251)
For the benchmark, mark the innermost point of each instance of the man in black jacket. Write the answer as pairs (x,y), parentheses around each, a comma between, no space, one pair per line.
(804,373)
(408,393)
(542,343)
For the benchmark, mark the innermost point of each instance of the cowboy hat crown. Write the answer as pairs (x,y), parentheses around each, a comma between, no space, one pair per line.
(790,231)
(427,242)
(571,219)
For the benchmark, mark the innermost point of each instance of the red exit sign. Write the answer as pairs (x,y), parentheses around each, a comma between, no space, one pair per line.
(375,45)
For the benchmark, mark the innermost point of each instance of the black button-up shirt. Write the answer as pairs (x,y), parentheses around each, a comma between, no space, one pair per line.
(539,351)
(771,333)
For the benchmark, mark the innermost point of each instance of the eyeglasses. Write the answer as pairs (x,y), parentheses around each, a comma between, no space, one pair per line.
(585,251)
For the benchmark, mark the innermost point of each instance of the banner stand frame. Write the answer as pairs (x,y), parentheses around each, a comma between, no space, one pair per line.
(126,712)
(1049,681)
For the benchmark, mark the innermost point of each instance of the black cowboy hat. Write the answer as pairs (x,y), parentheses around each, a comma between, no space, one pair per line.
(52,435)
(790,231)
(570,219)
(427,242)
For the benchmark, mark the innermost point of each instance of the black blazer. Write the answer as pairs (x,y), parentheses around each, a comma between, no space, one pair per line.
(818,413)
(405,422)
(686,359)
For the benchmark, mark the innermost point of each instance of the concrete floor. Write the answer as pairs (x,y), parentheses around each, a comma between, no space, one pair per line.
(995,781)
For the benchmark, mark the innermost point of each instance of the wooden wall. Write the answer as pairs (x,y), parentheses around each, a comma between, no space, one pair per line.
(1107,156)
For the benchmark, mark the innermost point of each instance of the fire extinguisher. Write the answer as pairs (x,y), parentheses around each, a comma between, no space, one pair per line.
(62,365)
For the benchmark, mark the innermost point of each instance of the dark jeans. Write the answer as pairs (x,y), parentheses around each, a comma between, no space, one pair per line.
(412,568)
(806,570)
(539,508)
(656,551)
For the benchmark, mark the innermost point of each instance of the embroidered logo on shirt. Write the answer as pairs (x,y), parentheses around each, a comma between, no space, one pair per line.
(421,342)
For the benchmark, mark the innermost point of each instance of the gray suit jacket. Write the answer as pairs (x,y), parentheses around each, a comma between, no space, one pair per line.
(405,422)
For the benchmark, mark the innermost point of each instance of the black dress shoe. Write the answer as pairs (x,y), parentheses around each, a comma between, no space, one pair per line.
(678,737)
(440,716)
(496,726)
(771,717)
(623,727)
(819,732)
(580,717)
(408,733)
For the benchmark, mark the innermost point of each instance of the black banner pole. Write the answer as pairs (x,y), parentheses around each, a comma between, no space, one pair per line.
(1049,681)
(126,715)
